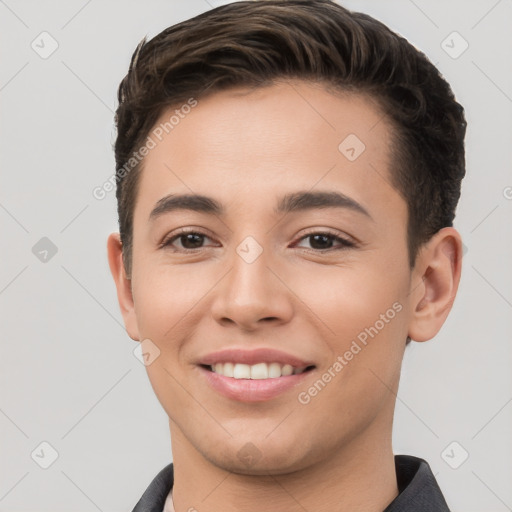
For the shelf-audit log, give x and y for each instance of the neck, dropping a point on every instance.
(359, 477)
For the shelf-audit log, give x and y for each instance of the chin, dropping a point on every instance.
(259, 457)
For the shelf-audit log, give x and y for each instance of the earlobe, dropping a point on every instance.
(435, 283)
(123, 285)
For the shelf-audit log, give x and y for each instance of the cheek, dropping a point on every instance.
(166, 298)
(348, 301)
(361, 316)
(366, 339)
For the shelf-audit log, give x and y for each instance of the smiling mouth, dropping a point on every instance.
(259, 371)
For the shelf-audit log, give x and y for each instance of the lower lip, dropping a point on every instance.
(252, 390)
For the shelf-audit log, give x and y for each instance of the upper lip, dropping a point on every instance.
(254, 356)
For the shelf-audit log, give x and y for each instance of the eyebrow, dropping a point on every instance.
(292, 202)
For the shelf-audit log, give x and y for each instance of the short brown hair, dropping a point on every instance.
(255, 43)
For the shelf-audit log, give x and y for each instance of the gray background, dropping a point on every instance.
(68, 375)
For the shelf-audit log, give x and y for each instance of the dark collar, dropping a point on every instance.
(417, 486)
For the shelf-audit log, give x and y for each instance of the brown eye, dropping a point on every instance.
(186, 241)
(191, 240)
(326, 241)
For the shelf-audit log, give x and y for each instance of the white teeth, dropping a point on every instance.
(274, 370)
(259, 371)
(287, 369)
(256, 371)
(241, 371)
(227, 371)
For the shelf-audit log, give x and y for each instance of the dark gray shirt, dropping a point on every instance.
(417, 487)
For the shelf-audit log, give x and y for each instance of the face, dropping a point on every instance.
(293, 260)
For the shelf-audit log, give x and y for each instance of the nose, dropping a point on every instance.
(252, 295)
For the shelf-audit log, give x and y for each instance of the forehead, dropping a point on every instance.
(248, 143)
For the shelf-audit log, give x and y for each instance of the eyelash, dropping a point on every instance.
(345, 243)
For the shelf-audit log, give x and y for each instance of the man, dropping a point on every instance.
(287, 179)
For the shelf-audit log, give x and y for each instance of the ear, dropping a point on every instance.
(434, 283)
(123, 285)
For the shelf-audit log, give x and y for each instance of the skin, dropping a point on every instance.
(246, 149)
